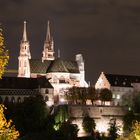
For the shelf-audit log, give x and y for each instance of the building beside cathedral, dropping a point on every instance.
(16, 89)
(62, 74)
(123, 87)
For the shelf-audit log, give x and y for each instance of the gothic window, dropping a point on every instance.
(46, 98)
(19, 100)
(46, 91)
(13, 99)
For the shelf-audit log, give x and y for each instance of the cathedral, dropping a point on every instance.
(62, 74)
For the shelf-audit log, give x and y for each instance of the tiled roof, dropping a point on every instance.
(57, 65)
(24, 83)
(122, 80)
(37, 66)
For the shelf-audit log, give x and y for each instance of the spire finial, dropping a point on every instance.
(48, 36)
(24, 32)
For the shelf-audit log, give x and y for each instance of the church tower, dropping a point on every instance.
(81, 65)
(48, 52)
(24, 55)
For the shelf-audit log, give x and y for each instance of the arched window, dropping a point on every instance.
(46, 91)
(46, 98)
(13, 99)
(19, 100)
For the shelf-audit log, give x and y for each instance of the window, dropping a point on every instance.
(46, 91)
(13, 100)
(46, 98)
(113, 96)
(19, 100)
(62, 79)
(118, 96)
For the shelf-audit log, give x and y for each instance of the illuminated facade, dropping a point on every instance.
(63, 74)
(123, 87)
(13, 90)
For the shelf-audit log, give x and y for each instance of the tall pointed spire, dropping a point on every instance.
(24, 32)
(24, 55)
(48, 35)
(48, 52)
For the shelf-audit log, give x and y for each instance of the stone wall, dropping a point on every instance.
(101, 115)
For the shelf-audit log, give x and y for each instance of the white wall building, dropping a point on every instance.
(123, 87)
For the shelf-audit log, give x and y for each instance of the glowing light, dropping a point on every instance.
(49, 103)
(62, 100)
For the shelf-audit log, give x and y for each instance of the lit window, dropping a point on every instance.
(118, 96)
(113, 96)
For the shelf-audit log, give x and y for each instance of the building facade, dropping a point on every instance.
(123, 87)
(63, 74)
(16, 89)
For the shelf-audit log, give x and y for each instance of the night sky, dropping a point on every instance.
(106, 32)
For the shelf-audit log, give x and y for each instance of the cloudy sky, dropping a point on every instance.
(106, 32)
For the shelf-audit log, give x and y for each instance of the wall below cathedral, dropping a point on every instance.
(101, 115)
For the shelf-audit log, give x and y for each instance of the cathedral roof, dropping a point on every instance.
(37, 66)
(24, 83)
(57, 65)
(122, 80)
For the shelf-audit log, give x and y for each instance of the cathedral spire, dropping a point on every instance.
(24, 32)
(48, 35)
(24, 55)
(48, 52)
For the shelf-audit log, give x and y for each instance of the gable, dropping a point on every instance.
(102, 82)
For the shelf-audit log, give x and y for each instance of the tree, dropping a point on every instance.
(105, 95)
(7, 130)
(4, 57)
(82, 94)
(128, 121)
(113, 130)
(72, 95)
(134, 135)
(69, 130)
(137, 103)
(61, 116)
(31, 115)
(92, 94)
(76, 95)
(88, 124)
